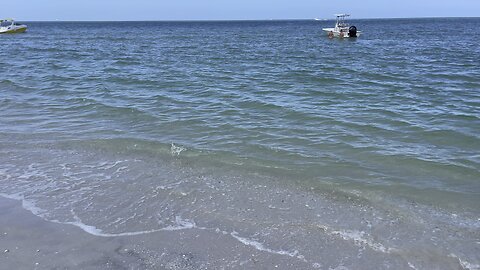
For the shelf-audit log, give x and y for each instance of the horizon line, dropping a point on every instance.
(242, 20)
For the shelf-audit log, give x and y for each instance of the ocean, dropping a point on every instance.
(312, 153)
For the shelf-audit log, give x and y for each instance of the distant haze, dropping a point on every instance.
(114, 10)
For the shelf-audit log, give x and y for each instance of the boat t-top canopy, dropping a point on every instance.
(341, 20)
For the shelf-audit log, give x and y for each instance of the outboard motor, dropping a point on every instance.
(352, 31)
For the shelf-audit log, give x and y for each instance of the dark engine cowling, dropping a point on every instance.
(352, 31)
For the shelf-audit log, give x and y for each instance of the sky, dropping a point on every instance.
(127, 10)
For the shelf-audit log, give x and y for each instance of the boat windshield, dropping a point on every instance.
(5, 23)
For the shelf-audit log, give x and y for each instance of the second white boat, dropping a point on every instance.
(342, 29)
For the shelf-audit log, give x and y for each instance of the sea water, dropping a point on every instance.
(357, 153)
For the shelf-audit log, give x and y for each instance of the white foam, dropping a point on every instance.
(361, 240)
(97, 232)
(169, 186)
(180, 223)
(259, 246)
(120, 169)
(105, 165)
(27, 205)
(412, 266)
(279, 208)
(17, 196)
(339, 267)
(465, 265)
(176, 150)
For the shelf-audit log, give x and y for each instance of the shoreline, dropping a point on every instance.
(189, 217)
(30, 242)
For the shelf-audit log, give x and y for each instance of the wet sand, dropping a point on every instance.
(29, 242)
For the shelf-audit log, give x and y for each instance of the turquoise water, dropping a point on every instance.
(95, 110)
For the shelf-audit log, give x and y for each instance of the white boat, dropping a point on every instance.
(9, 26)
(342, 29)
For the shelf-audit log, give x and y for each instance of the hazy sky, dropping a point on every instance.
(232, 9)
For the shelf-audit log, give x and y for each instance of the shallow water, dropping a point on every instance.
(267, 132)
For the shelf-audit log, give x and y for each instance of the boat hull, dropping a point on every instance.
(16, 30)
(332, 33)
